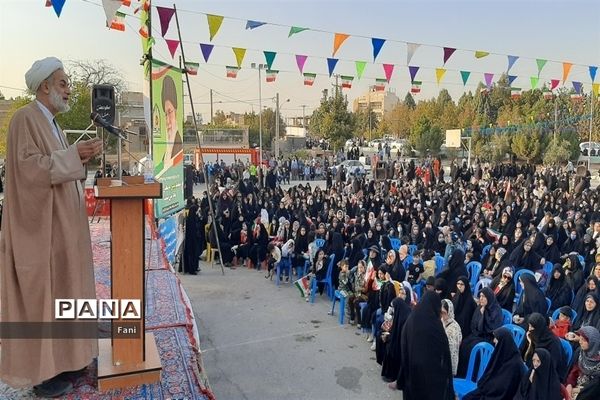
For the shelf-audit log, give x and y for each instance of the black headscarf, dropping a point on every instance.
(464, 306)
(578, 303)
(503, 373)
(559, 291)
(542, 337)
(546, 383)
(391, 361)
(456, 268)
(589, 318)
(426, 366)
(532, 299)
(483, 325)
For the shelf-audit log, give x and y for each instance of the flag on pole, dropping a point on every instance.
(191, 68)
(118, 22)
(309, 78)
(494, 235)
(515, 92)
(232, 71)
(380, 84)
(416, 87)
(347, 81)
(271, 75)
(303, 285)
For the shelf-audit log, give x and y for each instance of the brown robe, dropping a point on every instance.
(45, 248)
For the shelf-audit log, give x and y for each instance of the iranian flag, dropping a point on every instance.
(416, 87)
(191, 68)
(515, 92)
(118, 22)
(232, 71)
(380, 84)
(347, 81)
(494, 235)
(303, 284)
(144, 32)
(309, 78)
(548, 95)
(126, 3)
(271, 75)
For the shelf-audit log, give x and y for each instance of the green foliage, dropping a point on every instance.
(557, 152)
(526, 144)
(332, 121)
(425, 137)
(365, 121)
(219, 120)
(269, 127)
(497, 147)
(18, 103)
(409, 101)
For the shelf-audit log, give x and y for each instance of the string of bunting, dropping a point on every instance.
(514, 128)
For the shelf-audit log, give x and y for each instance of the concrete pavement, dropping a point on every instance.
(261, 342)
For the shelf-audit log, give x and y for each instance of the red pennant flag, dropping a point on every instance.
(448, 51)
(554, 83)
(388, 69)
(172, 45)
(164, 15)
(48, 3)
(126, 3)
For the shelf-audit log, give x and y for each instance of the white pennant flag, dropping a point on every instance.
(410, 51)
(110, 9)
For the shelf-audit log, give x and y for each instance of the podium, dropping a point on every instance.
(130, 357)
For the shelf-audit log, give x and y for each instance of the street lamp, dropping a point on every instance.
(260, 152)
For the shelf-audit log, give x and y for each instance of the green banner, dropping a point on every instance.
(167, 135)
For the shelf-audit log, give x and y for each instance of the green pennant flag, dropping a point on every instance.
(534, 81)
(540, 64)
(296, 29)
(360, 68)
(465, 76)
(270, 57)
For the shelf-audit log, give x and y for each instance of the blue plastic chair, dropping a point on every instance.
(337, 295)
(506, 317)
(284, 264)
(396, 243)
(581, 261)
(483, 282)
(327, 281)
(439, 264)
(567, 349)
(302, 270)
(366, 253)
(474, 269)
(485, 251)
(557, 311)
(320, 243)
(518, 288)
(549, 302)
(484, 352)
(412, 248)
(518, 333)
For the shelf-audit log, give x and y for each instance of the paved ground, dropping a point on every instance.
(262, 342)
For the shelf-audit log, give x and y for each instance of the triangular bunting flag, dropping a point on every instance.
(331, 63)
(554, 83)
(309, 78)
(515, 93)
(511, 79)
(411, 48)
(206, 50)
(239, 55)
(300, 60)
(118, 22)
(412, 70)
(540, 64)
(126, 3)
(232, 71)
(296, 29)
(577, 86)
(360, 68)
(595, 88)
(488, 79)
(214, 23)
(48, 3)
(593, 71)
(172, 45)
(269, 58)
(416, 87)
(377, 45)
(465, 76)
(164, 16)
(566, 69)
(58, 6)
(511, 61)
(534, 81)
(347, 81)
(380, 84)
(481, 54)
(338, 39)
(448, 51)
(110, 9)
(439, 74)
(191, 68)
(388, 69)
(271, 75)
(254, 24)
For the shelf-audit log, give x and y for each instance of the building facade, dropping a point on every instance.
(379, 102)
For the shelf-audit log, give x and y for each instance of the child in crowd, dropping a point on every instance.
(562, 326)
(415, 269)
(273, 257)
(358, 294)
(344, 284)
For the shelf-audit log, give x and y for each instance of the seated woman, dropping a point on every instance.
(538, 336)
(464, 305)
(452, 331)
(391, 359)
(532, 300)
(504, 289)
(542, 381)
(486, 318)
(559, 291)
(584, 378)
(503, 374)
(590, 286)
(498, 264)
(590, 316)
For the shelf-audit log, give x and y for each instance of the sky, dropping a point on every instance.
(555, 30)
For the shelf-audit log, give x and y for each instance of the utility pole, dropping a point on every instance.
(555, 118)
(211, 107)
(591, 124)
(276, 126)
(303, 117)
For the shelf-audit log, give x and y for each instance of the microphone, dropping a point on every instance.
(99, 121)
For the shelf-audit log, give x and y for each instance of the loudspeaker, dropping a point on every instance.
(188, 181)
(103, 102)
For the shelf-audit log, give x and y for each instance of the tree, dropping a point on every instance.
(1, 95)
(365, 121)
(557, 152)
(18, 103)
(219, 120)
(268, 127)
(409, 101)
(97, 72)
(332, 120)
(497, 147)
(398, 120)
(526, 145)
(425, 137)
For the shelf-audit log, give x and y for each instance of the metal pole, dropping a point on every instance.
(277, 126)
(210, 203)
(555, 117)
(260, 150)
(591, 122)
(211, 107)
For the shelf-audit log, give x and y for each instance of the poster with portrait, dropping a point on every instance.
(167, 136)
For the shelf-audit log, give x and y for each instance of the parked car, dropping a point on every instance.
(592, 148)
(353, 167)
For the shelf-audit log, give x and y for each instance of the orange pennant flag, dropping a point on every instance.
(338, 40)
(566, 69)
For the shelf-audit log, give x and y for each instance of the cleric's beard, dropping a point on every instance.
(57, 102)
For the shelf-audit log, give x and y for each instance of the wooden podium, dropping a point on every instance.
(129, 357)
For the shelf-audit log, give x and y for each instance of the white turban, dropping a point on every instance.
(40, 71)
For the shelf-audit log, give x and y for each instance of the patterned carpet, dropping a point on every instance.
(168, 316)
